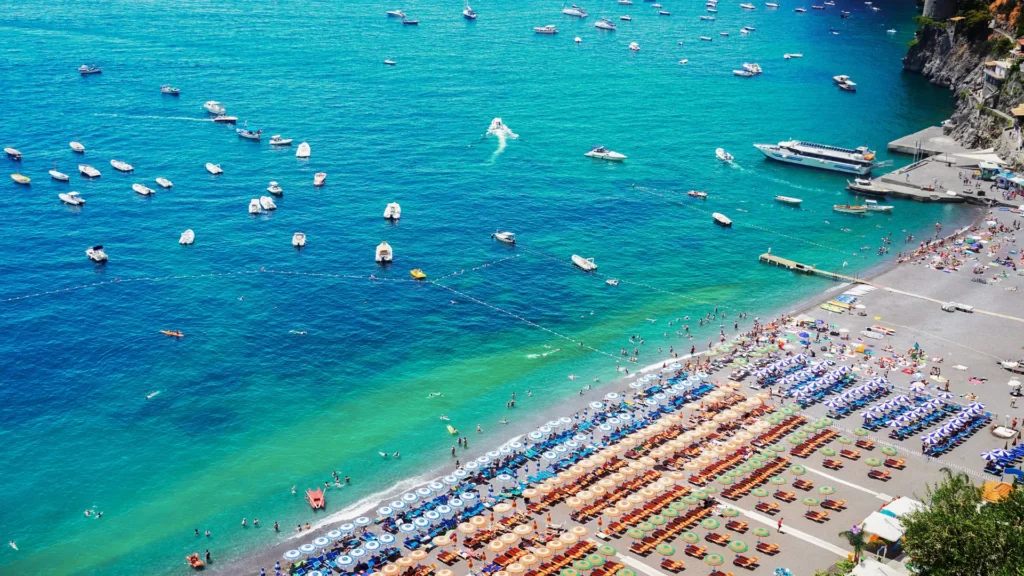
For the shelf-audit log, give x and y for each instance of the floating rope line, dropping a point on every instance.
(341, 276)
(127, 281)
(464, 271)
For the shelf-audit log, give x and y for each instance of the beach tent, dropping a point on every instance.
(901, 506)
(883, 526)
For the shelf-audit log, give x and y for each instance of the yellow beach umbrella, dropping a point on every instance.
(417, 555)
(390, 570)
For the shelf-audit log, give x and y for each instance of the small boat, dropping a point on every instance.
(709, 18)
(505, 237)
(848, 86)
(21, 179)
(575, 11)
(744, 31)
(656, 5)
(874, 206)
(626, 18)
(389, 62)
(395, 14)
(169, 90)
(73, 198)
(817, 7)
(848, 209)
(748, 6)
(752, 67)
(315, 498)
(722, 220)
(712, 10)
(829, 3)
(187, 237)
(142, 189)
(59, 176)
(706, 38)
(743, 73)
(771, 5)
(788, 200)
(865, 187)
(77, 147)
(549, 29)
(298, 239)
(96, 254)
(585, 264)
(215, 108)
(634, 46)
(722, 155)
(122, 166)
(800, 10)
(612, 282)
(88, 171)
(194, 561)
(604, 24)
(577, 40)
(214, 169)
(225, 119)
(85, 70)
(267, 203)
(392, 211)
(844, 14)
(723, 33)
(302, 151)
(697, 194)
(164, 183)
(173, 333)
(319, 178)
(12, 153)
(383, 255)
(841, 79)
(418, 274)
(793, 55)
(626, 2)
(749, 28)
(890, 31)
(664, 13)
(602, 153)
(468, 13)
(410, 22)
(254, 206)
(684, 61)
(244, 132)
(276, 140)
(274, 188)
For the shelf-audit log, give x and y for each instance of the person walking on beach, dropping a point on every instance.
(780, 525)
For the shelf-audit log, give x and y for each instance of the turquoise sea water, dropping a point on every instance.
(246, 408)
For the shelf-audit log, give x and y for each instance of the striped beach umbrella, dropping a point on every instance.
(844, 440)
(646, 526)
(582, 565)
(888, 450)
(777, 480)
(689, 537)
(809, 501)
(606, 550)
(635, 533)
(714, 560)
(665, 549)
(826, 490)
(873, 462)
(797, 470)
(738, 546)
(730, 512)
(711, 490)
(860, 432)
(759, 492)
(709, 523)
(762, 532)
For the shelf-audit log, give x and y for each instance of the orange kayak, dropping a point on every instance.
(174, 333)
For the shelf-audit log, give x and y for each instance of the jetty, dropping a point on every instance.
(793, 265)
(928, 142)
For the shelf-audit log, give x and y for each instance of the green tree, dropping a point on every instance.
(857, 542)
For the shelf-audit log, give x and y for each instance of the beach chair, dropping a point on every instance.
(698, 552)
(749, 562)
(832, 464)
(716, 538)
(814, 515)
(897, 463)
(720, 573)
(803, 484)
(674, 566)
(835, 505)
(850, 454)
(737, 526)
(785, 496)
(767, 507)
(882, 475)
(766, 548)
(866, 444)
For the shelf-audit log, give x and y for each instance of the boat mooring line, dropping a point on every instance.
(128, 280)
(464, 271)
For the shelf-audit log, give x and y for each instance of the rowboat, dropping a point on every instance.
(788, 200)
(848, 209)
(722, 220)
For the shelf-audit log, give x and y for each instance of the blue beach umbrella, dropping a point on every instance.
(612, 396)
(565, 420)
(347, 528)
(321, 542)
(432, 515)
(536, 435)
(450, 480)
(651, 402)
(371, 546)
(386, 538)
(345, 560)
(494, 454)
(469, 497)
(581, 438)
(661, 397)
(436, 486)
(385, 511)
(472, 466)
(545, 429)
(423, 492)
(397, 505)
(483, 460)
(407, 527)
(614, 421)
(605, 427)
(357, 553)
(361, 521)
(456, 503)
(549, 455)
(420, 522)
(307, 548)
(409, 498)
(315, 573)
(596, 405)
(504, 478)
(515, 445)
(292, 555)
(561, 449)
(625, 417)
(334, 534)
(444, 509)
(637, 385)
(504, 450)
(460, 474)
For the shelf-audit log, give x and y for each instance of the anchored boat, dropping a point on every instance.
(722, 220)
(788, 200)
(585, 264)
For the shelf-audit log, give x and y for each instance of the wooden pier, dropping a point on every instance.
(793, 265)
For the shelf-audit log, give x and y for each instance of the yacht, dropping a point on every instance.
(468, 13)
(585, 264)
(504, 237)
(743, 73)
(634, 46)
(249, 134)
(274, 188)
(602, 153)
(865, 187)
(73, 198)
(549, 29)
(707, 17)
(254, 206)
(841, 79)
(858, 161)
(319, 178)
(214, 169)
(788, 200)
(164, 183)
(267, 203)
(298, 239)
(604, 24)
(753, 67)
(302, 151)
(88, 171)
(142, 189)
(722, 220)
(744, 31)
(697, 194)
(395, 14)
(722, 155)
(848, 209)
(575, 10)
(390, 62)
(12, 153)
(392, 211)
(215, 108)
(276, 140)
(789, 55)
(874, 206)
(626, 18)
(800, 10)
(96, 254)
(169, 90)
(383, 254)
(21, 179)
(706, 38)
(187, 237)
(748, 6)
(122, 166)
(225, 119)
(85, 70)
(59, 176)
(77, 147)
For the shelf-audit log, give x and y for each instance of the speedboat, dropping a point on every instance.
(390, 62)
(274, 188)
(575, 10)
(742, 73)
(612, 281)
(215, 108)
(21, 179)
(383, 253)
(634, 46)
(298, 239)
(59, 176)
(170, 90)
(225, 119)
(604, 24)
(844, 14)
(706, 38)
(865, 187)
(788, 200)
(848, 209)
(395, 14)
(749, 28)
(697, 194)
(577, 40)
(626, 18)
(723, 33)
(602, 153)
(549, 29)
(410, 22)
(319, 178)
(254, 206)
(164, 182)
(73, 198)
(841, 79)
(664, 13)
(771, 5)
(752, 67)
(122, 166)
(77, 147)
(468, 13)
(722, 220)
(712, 10)
(418, 274)
(85, 70)
(890, 31)
(848, 86)
(276, 140)
(793, 55)
(187, 237)
(722, 155)
(392, 211)
(748, 6)
(267, 203)
(656, 5)
(585, 264)
(88, 171)
(707, 17)
(142, 189)
(744, 31)
(801, 10)
(302, 151)
(874, 206)
(817, 7)
(626, 2)
(213, 168)
(249, 134)
(684, 61)
(12, 153)
(96, 254)
(504, 237)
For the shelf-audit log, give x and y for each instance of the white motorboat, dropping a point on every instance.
(12, 153)
(771, 5)
(722, 220)
(626, 18)
(712, 10)
(575, 11)
(395, 14)
(302, 151)
(788, 200)
(276, 140)
(626, 2)
(602, 153)
(85, 70)
(664, 13)
(840, 79)
(59, 176)
(743, 73)
(656, 5)
(706, 38)
(88, 171)
(752, 67)
(708, 18)
(96, 254)
(848, 209)
(122, 166)
(392, 211)
(697, 194)
(383, 254)
(214, 168)
(800, 10)
(723, 33)
(319, 178)
(298, 239)
(749, 28)
(215, 108)
(549, 29)
(634, 46)
(744, 31)
(604, 24)
(169, 90)
(859, 161)
(722, 155)
(73, 198)
(504, 237)
(254, 206)
(684, 61)
(274, 188)
(267, 203)
(468, 13)
(164, 182)
(890, 31)
(865, 187)
(187, 237)
(390, 62)
(795, 55)
(225, 119)
(77, 147)
(612, 281)
(21, 179)
(247, 134)
(585, 264)
(748, 6)
(874, 206)
(578, 40)
(142, 189)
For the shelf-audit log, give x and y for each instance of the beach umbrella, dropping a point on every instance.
(582, 565)
(724, 479)
(635, 533)
(390, 570)
(307, 548)
(689, 499)
(361, 521)
(569, 572)
(347, 528)
(777, 480)
(711, 490)
(529, 559)
(344, 560)
(860, 432)
(516, 568)
(730, 512)
(826, 451)
(386, 539)
(357, 552)
(826, 490)
(797, 470)
(407, 527)
(709, 523)
(669, 513)
(292, 555)
(385, 511)
(714, 560)
(658, 520)
(808, 501)
(467, 528)
(778, 447)
(595, 560)
(606, 550)
(738, 546)
(844, 440)
(646, 526)
(735, 473)
(372, 546)
(873, 462)
(761, 532)
(665, 549)
(689, 537)
(888, 450)
(410, 497)
(334, 534)
(420, 522)
(759, 492)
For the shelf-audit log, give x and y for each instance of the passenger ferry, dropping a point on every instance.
(858, 161)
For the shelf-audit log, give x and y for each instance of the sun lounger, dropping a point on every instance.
(716, 538)
(767, 507)
(836, 505)
(698, 552)
(737, 526)
(816, 516)
(720, 573)
(766, 548)
(866, 444)
(897, 463)
(674, 566)
(448, 557)
(803, 484)
(879, 474)
(745, 561)
(785, 496)
(832, 464)
(851, 454)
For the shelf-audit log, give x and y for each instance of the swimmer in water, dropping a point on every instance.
(293, 489)
(396, 455)
(503, 421)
